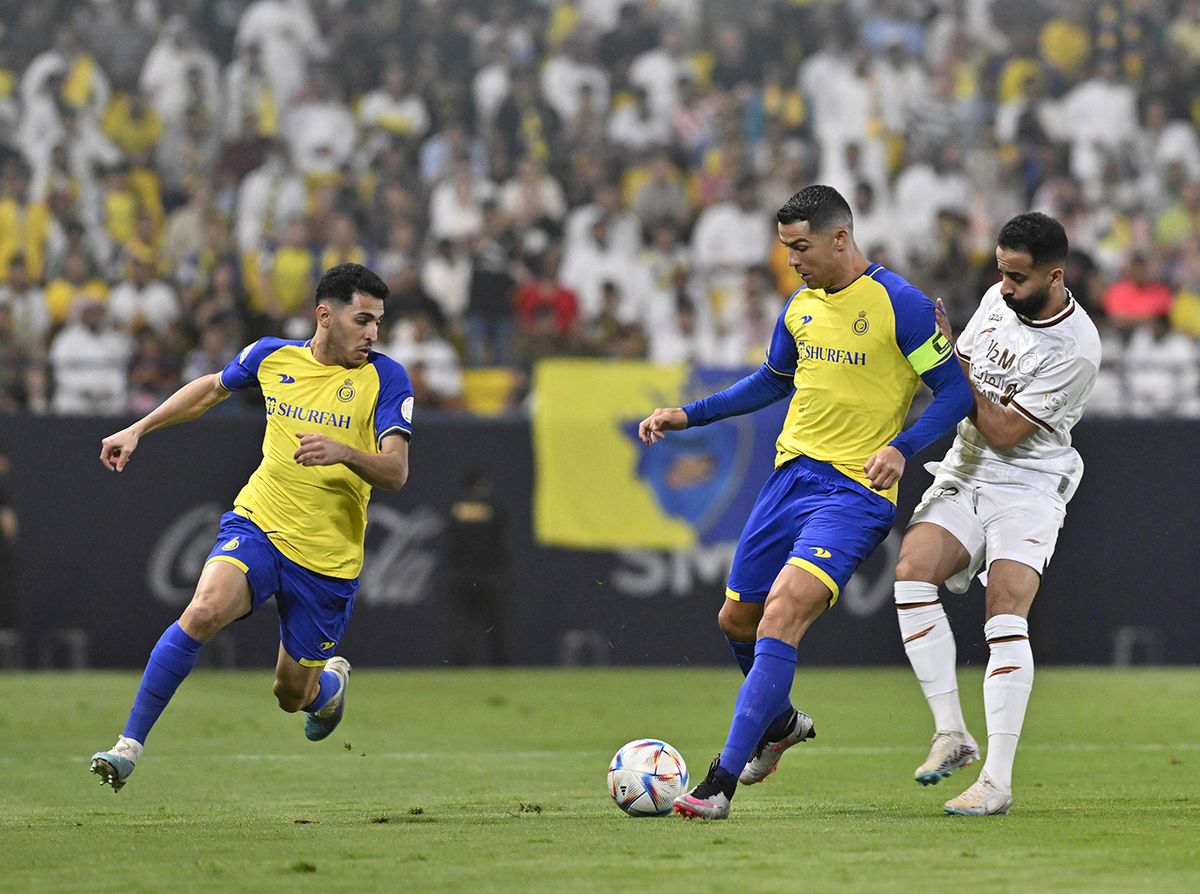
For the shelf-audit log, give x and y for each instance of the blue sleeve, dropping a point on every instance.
(242, 371)
(394, 407)
(781, 355)
(757, 390)
(931, 356)
(952, 400)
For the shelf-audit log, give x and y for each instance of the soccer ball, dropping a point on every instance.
(646, 776)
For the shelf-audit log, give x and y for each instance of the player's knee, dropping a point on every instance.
(737, 623)
(290, 699)
(202, 619)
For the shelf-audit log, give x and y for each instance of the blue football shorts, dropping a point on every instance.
(313, 608)
(810, 515)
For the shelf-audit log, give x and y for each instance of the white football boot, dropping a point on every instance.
(948, 752)
(984, 798)
(765, 759)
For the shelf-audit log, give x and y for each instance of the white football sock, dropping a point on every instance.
(929, 644)
(1006, 691)
(130, 748)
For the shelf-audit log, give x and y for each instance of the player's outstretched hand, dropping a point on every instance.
(943, 321)
(319, 450)
(115, 450)
(885, 468)
(664, 419)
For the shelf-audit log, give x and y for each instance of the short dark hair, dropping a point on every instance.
(341, 282)
(1038, 235)
(822, 206)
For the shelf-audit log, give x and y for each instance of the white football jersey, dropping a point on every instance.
(1043, 369)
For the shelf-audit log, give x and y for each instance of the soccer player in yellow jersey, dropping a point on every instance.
(850, 349)
(339, 418)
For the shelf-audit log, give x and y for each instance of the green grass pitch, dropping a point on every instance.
(486, 781)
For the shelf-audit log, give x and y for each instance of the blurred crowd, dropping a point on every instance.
(537, 178)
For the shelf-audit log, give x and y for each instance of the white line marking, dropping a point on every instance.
(916, 749)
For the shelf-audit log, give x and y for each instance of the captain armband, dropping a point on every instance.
(930, 354)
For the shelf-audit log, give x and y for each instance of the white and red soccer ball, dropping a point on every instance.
(646, 776)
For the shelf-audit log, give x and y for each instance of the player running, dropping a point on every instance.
(339, 418)
(999, 497)
(849, 348)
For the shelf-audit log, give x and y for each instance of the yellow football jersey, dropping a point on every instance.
(855, 357)
(317, 515)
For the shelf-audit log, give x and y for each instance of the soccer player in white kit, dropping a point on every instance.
(998, 499)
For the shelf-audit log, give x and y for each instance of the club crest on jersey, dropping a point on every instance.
(346, 393)
(1027, 363)
(860, 326)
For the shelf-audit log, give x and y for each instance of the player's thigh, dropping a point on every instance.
(843, 528)
(945, 518)
(1021, 526)
(797, 598)
(767, 537)
(930, 553)
(314, 611)
(222, 596)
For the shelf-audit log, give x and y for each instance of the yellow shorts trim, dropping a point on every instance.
(313, 662)
(820, 574)
(231, 560)
(730, 594)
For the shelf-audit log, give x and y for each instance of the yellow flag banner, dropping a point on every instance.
(598, 487)
(587, 492)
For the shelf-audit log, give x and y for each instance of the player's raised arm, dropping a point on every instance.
(190, 401)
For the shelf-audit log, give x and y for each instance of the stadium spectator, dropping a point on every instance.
(141, 300)
(430, 359)
(112, 135)
(89, 362)
(1140, 296)
(26, 303)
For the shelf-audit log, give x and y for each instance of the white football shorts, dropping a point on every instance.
(993, 521)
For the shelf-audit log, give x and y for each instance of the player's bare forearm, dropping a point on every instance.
(1002, 427)
(190, 401)
(387, 469)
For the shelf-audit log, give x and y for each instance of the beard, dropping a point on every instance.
(1028, 307)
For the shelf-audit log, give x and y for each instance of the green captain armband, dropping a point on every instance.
(931, 353)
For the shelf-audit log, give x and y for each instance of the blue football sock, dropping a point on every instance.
(171, 659)
(763, 696)
(329, 688)
(743, 653)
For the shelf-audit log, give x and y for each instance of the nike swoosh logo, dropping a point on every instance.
(821, 553)
(285, 379)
